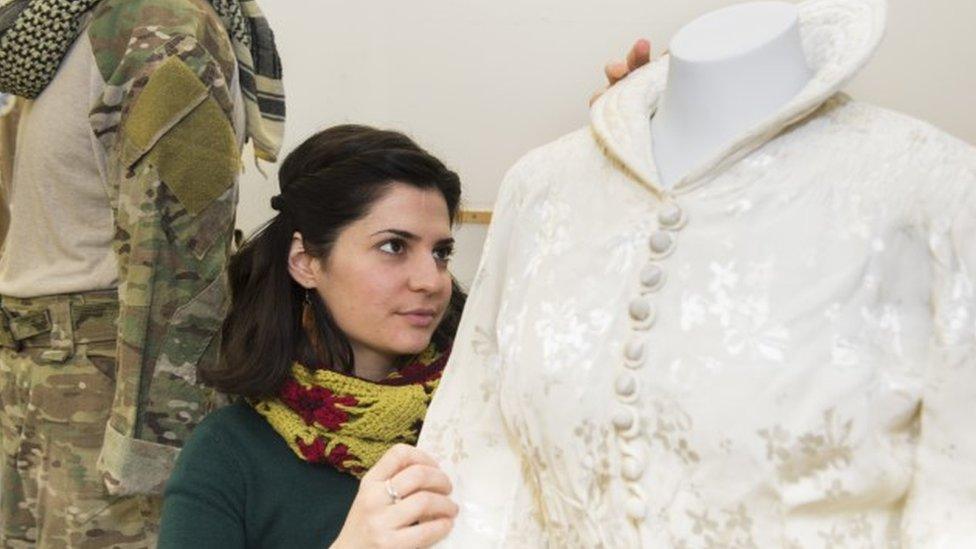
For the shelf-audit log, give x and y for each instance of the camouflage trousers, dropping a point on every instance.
(57, 368)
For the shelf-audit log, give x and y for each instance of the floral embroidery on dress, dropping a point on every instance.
(729, 529)
(670, 426)
(812, 452)
(741, 306)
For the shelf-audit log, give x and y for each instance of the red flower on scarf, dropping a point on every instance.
(317, 404)
(340, 455)
(314, 452)
(419, 371)
(337, 457)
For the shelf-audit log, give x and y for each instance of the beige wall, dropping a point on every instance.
(481, 82)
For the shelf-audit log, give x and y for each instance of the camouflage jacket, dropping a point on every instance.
(165, 119)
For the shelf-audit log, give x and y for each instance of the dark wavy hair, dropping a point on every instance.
(328, 182)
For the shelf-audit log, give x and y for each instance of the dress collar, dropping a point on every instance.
(839, 37)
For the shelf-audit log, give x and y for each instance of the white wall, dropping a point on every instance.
(478, 83)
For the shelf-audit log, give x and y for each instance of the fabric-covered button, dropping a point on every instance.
(642, 313)
(632, 469)
(634, 350)
(640, 309)
(661, 242)
(651, 276)
(670, 216)
(623, 419)
(625, 385)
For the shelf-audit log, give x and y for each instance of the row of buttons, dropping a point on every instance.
(626, 420)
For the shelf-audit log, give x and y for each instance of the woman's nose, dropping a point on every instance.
(426, 275)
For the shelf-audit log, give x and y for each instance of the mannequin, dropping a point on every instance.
(729, 70)
(772, 347)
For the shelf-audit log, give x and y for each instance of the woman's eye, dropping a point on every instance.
(392, 247)
(443, 254)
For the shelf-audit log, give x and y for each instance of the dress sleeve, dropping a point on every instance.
(204, 501)
(941, 507)
(465, 430)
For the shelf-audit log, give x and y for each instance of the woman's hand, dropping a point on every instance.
(640, 55)
(402, 502)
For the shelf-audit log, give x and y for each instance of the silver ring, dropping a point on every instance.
(391, 491)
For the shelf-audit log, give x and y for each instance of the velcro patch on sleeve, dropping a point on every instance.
(185, 134)
(198, 158)
(173, 90)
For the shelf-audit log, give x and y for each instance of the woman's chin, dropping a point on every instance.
(413, 346)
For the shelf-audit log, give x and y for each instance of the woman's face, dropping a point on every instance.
(386, 281)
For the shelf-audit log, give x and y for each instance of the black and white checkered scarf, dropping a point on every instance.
(35, 35)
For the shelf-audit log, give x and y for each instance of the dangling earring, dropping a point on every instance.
(308, 315)
(311, 327)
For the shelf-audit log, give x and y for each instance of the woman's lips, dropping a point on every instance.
(420, 318)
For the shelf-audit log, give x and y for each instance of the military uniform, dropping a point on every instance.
(99, 389)
(57, 368)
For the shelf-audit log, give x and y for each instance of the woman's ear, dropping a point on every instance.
(302, 267)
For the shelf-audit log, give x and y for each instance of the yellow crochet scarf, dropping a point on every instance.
(349, 422)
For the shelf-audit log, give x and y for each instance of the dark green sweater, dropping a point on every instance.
(237, 484)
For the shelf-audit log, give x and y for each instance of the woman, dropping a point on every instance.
(341, 320)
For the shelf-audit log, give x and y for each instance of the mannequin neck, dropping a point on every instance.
(729, 70)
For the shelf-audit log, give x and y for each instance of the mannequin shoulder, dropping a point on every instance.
(559, 162)
(578, 145)
(885, 130)
(917, 163)
(884, 142)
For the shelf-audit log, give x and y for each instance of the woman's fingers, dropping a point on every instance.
(640, 55)
(417, 478)
(424, 534)
(403, 500)
(397, 458)
(422, 507)
(615, 71)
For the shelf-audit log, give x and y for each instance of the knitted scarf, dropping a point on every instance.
(348, 422)
(35, 35)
